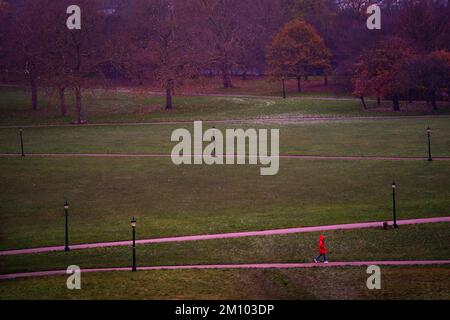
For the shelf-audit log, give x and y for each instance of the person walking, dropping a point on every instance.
(322, 250)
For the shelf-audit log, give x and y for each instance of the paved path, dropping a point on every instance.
(274, 119)
(234, 235)
(237, 266)
(166, 155)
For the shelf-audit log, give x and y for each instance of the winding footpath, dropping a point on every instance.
(232, 266)
(166, 155)
(235, 266)
(234, 235)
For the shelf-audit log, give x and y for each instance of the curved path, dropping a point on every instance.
(162, 155)
(236, 266)
(364, 225)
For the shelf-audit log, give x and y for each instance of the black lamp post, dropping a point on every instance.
(430, 158)
(214, 140)
(66, 214)
(21, 142)
(394, 208)
(133, 227)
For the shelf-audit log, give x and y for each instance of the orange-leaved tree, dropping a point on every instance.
(376, 70)
(297, 50)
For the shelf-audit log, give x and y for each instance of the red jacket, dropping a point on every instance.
(322, 248)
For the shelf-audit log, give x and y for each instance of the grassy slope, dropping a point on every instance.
(339, 283)
(305, 193)
(412, 242)
(421, 242)
(171, 200)
(111, 106)
(394, 137)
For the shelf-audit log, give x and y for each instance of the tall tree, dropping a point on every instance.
(221, 20)
(296, 51)
(161, 45)
(425, 22)
(376, 70)
(4, 25)
(426, 74)
(24, 45)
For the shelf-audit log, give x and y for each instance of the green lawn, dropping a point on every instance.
(336, 283)
(420, 242)
(170, 200)
(393, 137)
(116, 106)
(104, 193)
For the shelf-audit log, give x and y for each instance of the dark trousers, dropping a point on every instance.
(322, 255)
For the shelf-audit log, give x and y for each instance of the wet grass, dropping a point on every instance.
(333, 283)
(104, 106)
(170, 200)
(393, 137)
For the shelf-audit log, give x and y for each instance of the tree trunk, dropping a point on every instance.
(306, 77)
(325, 81)
(34, 94)
(169, 88)
(433, 100)
(62, 102)
(79, 106)
(396, 102)
(226, 78)
(378, 100)
(244, 75)
(299, 84)
(284, 88)
(363, 102)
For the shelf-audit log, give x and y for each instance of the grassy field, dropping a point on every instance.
(104, 193)
(420, 242)
(115, 106)
(170, 200)
(392, 137)
(339, 283)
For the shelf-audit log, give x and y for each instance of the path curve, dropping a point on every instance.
(234, 235)
(236, 266)
(166, 155)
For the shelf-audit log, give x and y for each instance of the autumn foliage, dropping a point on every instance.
(296, 51)
(377, 69)
(165, 42)
(394, 69)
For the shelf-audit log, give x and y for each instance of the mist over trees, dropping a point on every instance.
(169, 41)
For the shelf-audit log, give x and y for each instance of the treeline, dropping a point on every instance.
(171, 40)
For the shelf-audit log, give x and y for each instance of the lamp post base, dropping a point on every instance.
(66, 249)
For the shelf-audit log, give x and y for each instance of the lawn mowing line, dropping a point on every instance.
(234, 235)
(286, 118)
(161, 155)
(235, 266)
